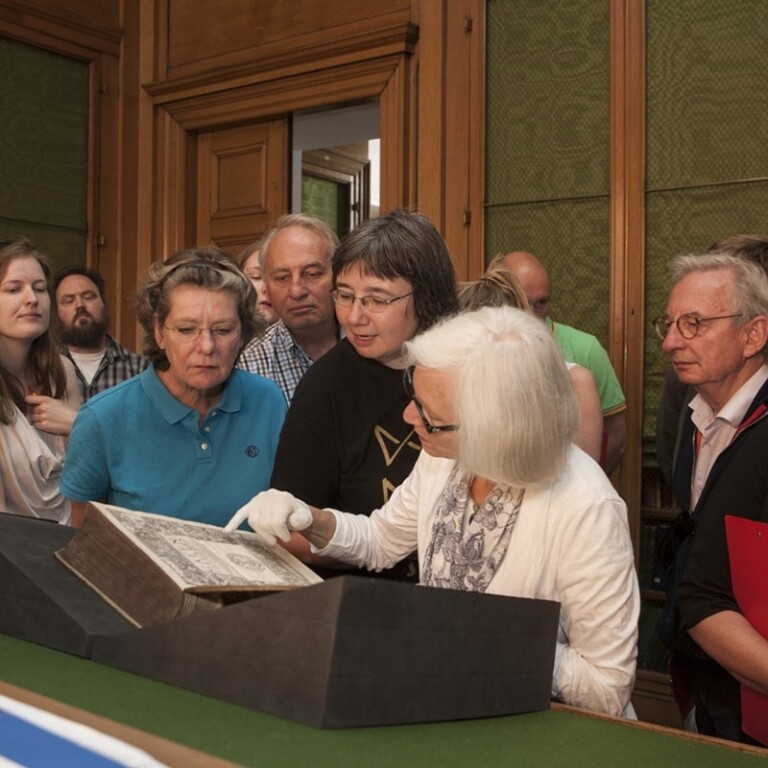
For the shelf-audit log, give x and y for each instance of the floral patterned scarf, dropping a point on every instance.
(466, 549)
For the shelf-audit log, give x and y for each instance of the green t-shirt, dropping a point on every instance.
(585, 350)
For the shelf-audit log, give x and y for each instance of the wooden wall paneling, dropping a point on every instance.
(104, 169)
(136, 150)
(627, 218)
(462, 28)
(398, 170)
(360, 81)
(475, 107)
(207, 183)
(431, 120)
(278, 167)
(241, 186)
(171, 168)
(273, 40)
(359, 60)
(159, 69)
(450, 126)
(64, 25)
(178, 123)
(134, 180)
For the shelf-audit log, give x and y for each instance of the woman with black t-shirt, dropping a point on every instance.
(344, 443)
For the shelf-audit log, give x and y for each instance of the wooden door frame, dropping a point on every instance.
(627, 243)
(386, 78)
(432, 145)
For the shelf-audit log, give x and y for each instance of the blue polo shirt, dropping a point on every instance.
(136, 446)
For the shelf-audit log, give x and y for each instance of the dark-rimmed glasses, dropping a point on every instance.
(431, 428)
(687, 325)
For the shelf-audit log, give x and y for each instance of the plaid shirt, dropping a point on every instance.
(117, 364)
(276, 356)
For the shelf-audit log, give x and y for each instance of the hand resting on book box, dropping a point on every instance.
(273, 515)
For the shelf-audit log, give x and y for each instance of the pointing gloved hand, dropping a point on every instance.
(273, 515)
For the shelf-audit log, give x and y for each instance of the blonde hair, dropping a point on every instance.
(496, 288)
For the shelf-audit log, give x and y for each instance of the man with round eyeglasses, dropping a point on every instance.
(715, 332)
(687, 325)
(676, 395)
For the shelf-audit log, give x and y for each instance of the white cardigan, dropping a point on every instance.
(571, 543)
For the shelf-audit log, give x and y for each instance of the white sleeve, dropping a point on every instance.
(383, 539)
(600, 606)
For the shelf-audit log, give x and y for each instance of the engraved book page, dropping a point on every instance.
(200, 557)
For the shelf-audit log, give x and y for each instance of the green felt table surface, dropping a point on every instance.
(550, 738)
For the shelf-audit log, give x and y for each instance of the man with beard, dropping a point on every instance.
(100, 362)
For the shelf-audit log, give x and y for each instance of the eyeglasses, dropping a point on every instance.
(189, 333)
(431, 429)
(687, 325)
(371, 303)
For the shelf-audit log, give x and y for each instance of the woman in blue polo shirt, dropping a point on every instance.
(191, 437)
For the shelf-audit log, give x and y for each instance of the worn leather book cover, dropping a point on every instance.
(153, 568)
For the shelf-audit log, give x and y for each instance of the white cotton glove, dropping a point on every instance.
(273, 515)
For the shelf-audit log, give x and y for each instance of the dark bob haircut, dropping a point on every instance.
(407, 245)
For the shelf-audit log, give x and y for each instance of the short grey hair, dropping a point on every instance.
(303, 220)
(750, 283)
(206, 267)
(514, 400)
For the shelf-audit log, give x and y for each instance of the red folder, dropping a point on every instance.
(748, 555)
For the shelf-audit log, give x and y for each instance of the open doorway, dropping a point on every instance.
(335, 165)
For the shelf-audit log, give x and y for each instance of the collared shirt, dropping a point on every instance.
(139, 447)
(718, 430)
(276, 355)
(117, 364)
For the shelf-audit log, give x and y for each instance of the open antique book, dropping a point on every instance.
(154, 569)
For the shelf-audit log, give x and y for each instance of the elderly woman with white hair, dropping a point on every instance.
(500, 500)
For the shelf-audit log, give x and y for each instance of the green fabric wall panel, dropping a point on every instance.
(707, 100)
(44, 148)
(326, 200)
(547, 145)
(571, 238)
(547, 99)
(707, 165)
